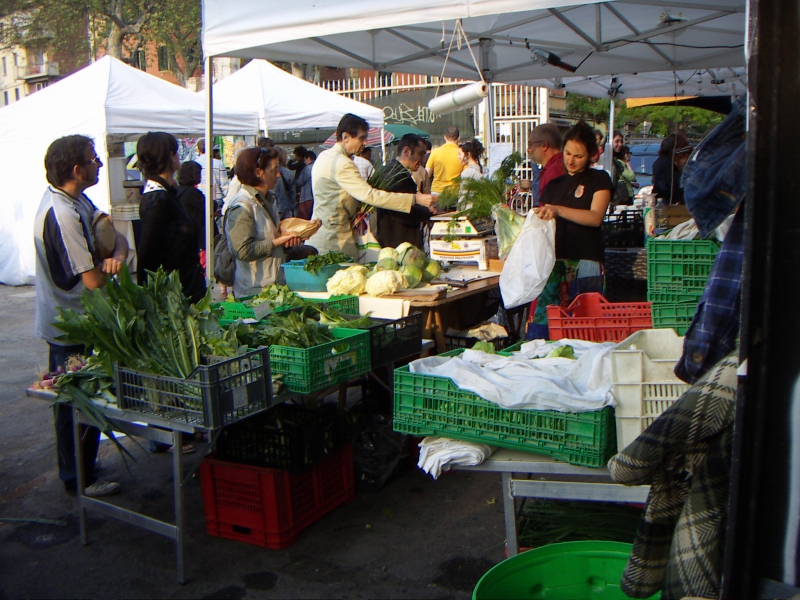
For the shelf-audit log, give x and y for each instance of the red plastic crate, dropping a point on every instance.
(270, 507)
(592, 318)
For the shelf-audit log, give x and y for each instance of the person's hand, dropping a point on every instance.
(433, 209)
(425, 200)
(546, 211)
(288, 240)
(111, 266)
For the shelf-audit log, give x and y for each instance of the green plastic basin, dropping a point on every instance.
(568, 571)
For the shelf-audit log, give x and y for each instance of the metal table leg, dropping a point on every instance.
(81, 473)
(177, 482)
(510, 514)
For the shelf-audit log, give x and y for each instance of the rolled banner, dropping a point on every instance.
(460, 99)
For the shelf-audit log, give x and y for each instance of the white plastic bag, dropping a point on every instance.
(530, 262)
(367, 244)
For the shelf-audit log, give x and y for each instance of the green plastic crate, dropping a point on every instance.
(683, 297)
(307, 370)
(347, 305)
(679, 267)
(674, 316)
(431, 405)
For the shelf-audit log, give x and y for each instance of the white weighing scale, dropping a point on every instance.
(472, 241)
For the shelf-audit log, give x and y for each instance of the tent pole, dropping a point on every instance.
(608, 155)
(383, 145)
(209, 191)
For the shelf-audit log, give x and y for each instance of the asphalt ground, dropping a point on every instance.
(414, 538)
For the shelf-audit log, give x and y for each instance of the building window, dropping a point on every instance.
(5, 98)
(5, 67)
(41, 86)
(163, 58)
(16, 93)
(139, 59)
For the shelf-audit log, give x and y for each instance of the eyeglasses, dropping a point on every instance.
(95, 161)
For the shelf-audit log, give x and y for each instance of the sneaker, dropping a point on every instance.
(101, 488)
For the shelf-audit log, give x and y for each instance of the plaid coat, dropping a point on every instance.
(685, 456)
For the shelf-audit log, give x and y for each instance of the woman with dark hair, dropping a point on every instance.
(578, 201)
(194, 202)
(624, 177)
(672, 156)
(169, 236)
(470, 154)
(251, 223)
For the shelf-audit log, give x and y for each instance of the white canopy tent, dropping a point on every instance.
(284, 101)
(513, 40)
(106, 98)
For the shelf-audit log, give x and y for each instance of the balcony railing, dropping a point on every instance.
(48, 69)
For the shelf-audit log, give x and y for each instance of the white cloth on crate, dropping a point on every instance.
(437, 454)
(523, 381)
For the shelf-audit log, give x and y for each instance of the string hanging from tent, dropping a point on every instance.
(465, 97)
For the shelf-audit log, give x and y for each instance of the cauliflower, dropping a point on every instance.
(386, 282)
(348, 281)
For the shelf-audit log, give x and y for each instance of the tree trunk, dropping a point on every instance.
(114, 42)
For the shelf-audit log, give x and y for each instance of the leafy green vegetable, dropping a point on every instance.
(487, 347)
(316, 262)
(276, 295)
(562, 352)
(474, 198)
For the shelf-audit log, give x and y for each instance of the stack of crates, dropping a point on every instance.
(677, 273)
(275, 474)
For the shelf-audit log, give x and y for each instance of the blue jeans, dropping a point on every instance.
(65, 440)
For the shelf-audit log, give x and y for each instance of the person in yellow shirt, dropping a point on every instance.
(338, 189)
(444, 165)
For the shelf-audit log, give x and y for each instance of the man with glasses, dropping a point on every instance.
(338, 189)
(69, 260)
(544, 148)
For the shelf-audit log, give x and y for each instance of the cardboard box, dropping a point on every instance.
(495, 264)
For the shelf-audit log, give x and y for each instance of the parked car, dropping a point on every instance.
(642, 158)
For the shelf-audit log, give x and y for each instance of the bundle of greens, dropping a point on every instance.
(316, 262)
(152, 328)
(304, 327)
(276, 295)
(545, 522)
(475, 198)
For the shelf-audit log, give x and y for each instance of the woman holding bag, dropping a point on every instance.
(578, 201)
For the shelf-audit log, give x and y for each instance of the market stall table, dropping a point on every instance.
(146, 427)
(437, 315)
(550, 479)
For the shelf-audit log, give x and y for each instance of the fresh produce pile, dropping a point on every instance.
(304, 327)
(316, 262)
(276, 296)
(545, 522)
(401, 268)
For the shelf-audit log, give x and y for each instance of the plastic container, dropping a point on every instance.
(307, 370)
(394, 339)
(270, 507)
(346, 305)
(300, 280)
(679, 267)
(623, 230)
(645, 384)
(216, 394)
(567, 571)
(431, 405)
(287, 436)
(674, 316)
(592, 318)
(455, 342)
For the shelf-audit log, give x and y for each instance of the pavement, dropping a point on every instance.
(414, 538)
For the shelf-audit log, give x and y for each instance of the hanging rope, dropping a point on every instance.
(458, 34)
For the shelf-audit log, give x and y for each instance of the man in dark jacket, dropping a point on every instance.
(393, 227)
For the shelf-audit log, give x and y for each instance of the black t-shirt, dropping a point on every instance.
(573, 241)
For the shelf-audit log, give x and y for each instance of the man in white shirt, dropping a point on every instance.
(219, 175)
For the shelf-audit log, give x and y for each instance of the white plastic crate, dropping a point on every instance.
(644, 382)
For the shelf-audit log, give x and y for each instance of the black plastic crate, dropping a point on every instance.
(452, 342)
(393, 339)
(626, 263)
(218, 393)
(288, 436)
(623, 230)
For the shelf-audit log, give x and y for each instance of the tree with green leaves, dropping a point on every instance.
(175, 25)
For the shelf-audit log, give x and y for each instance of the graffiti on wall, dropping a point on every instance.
(405, 115)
